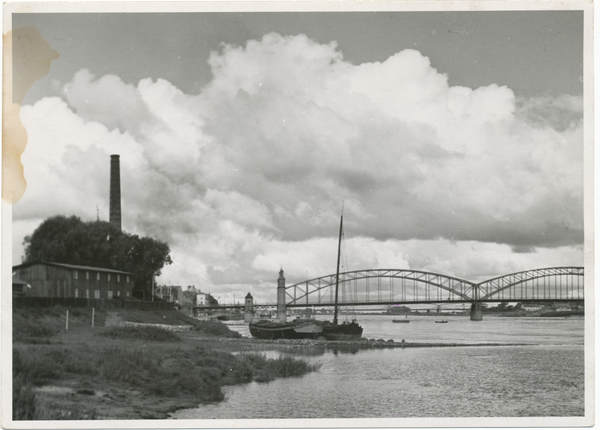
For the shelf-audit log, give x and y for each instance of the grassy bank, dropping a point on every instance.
(113, 372)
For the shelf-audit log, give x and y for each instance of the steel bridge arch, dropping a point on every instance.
(496, 285)
(460, 287)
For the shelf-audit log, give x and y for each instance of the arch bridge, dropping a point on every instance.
(402, 286)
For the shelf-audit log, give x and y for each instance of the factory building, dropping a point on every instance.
(68, 280)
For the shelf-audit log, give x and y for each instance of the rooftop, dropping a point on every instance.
(72, 266)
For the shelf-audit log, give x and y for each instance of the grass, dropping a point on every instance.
(142, 369)
(155, 334)
(268, 369)
(24, 402)
(198, 373)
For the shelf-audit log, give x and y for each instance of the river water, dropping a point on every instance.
(544, 378)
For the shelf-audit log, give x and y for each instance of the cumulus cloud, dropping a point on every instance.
(249, 175)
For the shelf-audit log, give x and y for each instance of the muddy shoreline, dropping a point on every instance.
(356, 344)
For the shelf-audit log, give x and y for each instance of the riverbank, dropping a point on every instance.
(354, 345)
(118, 371)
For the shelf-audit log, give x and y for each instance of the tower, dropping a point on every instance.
(248, 308)
(115, 192)
(281, 308)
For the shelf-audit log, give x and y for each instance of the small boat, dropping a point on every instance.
(441, 322)
(401, 321)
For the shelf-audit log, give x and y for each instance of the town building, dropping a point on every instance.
(67, 280)
(202, 299)
(170, 293)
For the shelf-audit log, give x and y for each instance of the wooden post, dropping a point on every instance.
(67, 323)
(93, 309)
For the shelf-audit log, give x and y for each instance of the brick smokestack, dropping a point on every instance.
(115, 192)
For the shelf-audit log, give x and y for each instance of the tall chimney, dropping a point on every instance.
(115, 192)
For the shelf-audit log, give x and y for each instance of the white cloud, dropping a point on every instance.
(250, 174)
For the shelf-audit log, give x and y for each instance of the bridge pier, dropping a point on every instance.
(476, 313)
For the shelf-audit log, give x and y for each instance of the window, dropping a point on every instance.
(97, 294)
(127, 293)
(76, 293)
(87, 275)
(75, 274)
(127, 278)
(109, 276)
(109, 294)
(87, 293)
(98, 276)
(118, 278)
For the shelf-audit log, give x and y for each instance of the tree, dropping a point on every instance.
(69, 240)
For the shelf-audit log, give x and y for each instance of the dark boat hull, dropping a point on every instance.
(345, 331)
(277, 330)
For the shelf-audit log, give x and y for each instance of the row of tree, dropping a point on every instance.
(70, 240)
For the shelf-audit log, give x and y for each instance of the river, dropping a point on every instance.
(544, 378)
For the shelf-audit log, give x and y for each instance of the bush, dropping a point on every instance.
(155, 334)
(216, 328)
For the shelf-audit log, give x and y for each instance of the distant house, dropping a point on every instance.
(188, 297)
(193, 297)
(202, 299)
(170, 293)
(67, 280)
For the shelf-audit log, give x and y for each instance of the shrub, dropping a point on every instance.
(216, 328)
(155, 334)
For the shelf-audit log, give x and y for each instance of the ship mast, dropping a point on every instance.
(337, 273)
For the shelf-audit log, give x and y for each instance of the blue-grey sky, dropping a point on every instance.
(455, 139)
(531, 52)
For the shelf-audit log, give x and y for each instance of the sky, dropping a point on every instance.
(453, 140)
